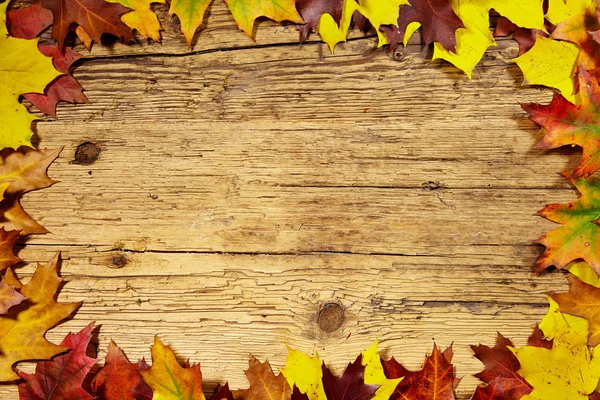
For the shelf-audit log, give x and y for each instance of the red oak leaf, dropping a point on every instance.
(500, 373)
(95, 17)
(350, 386)
(435, 381)
(62, 377)
(438, 22)
(117, 379)
(311, 11)
(568, 124)
(28, 22)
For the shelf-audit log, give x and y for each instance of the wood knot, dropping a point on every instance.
(87, 153)
(330, 317)
(118, 262)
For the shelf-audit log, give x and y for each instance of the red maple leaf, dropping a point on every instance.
(117, 379)
(537, 339)
(525, 37)
(350, 385)
(222, 393)
(500, 373)
(62, 377)
(435, 381)
(438, 22)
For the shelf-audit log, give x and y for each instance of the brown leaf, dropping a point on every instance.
(8, 240)
(264, 384)
(9, 297)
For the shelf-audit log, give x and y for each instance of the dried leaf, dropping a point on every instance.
(264, 384)
(9, 297)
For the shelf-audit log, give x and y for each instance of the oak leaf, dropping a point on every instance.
(566, 124)
(500, 373)
(22, 172)
(9, 297)
(28, 22)
(311, 12)
(435, 381)
(168, 379)
(61, 378)
(350, 385)
(95, 17)
(264, 384)
(582, 300)
(437, 19)
(8, 240)
(305, 373)
(24, 70)
(22, 335)
(578, 238)
(142, 18)
(117, 379)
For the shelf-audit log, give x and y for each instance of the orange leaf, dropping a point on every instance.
(264, 384)
(8, 239)
(117, 378)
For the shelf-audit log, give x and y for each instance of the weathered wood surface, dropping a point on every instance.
(241, 186)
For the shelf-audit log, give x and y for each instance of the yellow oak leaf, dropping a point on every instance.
(332, 33)
(567, 371)
(245, 12)
(473, 40)
(305, 372)
(381, 12)
(168, 379)
(142, 18)
(190, 13)
(374, 374)
(23, 69)
(22, 335)
(23, 171)
(550, 63)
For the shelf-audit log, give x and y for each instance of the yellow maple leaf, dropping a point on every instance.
(473, 40)
(23, 69)
(22, 336)
(245, 12)
(583, 271)
(550, 63)
(374, 374)
(332, 33)
(561, 10)
(190, 13)
(381, 12)
(305, 372)
(566, 371)
(142, 18)
(168, 379)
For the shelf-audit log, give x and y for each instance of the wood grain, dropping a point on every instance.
(242, 186)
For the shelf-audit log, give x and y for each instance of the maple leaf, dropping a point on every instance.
(582, 300)
(566, 371)
(500, 373)
(62, 377)
(142, 18)
(9, 297)
(305, 373)
(264, 384)
(8, 240)
(380, 13)
(22, 335)
(222, 393)
(473, 40)
(311, 12)
(142, 391)
(95, 17)
(565, 124)
(537, 339)
(24, 70)
(117, 379)
(374, 374)
(438, 23)
(169, 380)
(434, 381)
(333, 32)
(350, 385)
(22, 172)
(577, 238)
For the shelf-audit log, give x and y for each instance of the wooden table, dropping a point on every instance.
(241, 188)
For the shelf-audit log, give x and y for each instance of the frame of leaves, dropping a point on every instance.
(558, 41)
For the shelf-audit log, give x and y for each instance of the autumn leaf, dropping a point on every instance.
(61, 378)
(24, 70)
(117, 379)
(96, 17)
(350, 385)
(537, 339)
(576, 29)
(566, 124)
(264, 384)
(564, 372)
(222, 393)
(333, 32)
(435, 381)
(28, 22)
(142, 18)
(142, 391)
(437, 19)
(23, 171)
(525, 37)
(22, 335)
(380, 13)
(298, 395)
(245, 12)
(311, 12)
(582, 300)
(305, 373)
(374, 374)
(8, 240)
(500, 373)
(9, 297)
(473, 40)
(168, 379)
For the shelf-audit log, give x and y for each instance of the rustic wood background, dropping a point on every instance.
(243, 187)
